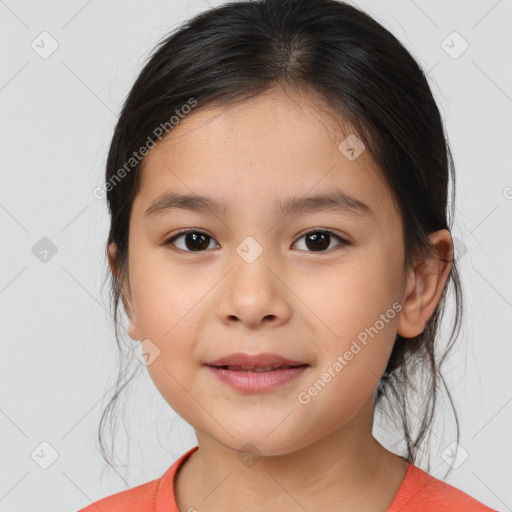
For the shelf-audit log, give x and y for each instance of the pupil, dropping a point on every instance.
(197, 241)
(319, 240)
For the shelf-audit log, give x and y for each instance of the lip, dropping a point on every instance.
(257, 382)
(248, 379)
(257, 360)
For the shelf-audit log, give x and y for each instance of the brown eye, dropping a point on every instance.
(197, 241)
(320, 240)
(193, 241)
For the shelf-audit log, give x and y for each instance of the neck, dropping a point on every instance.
(348, 469)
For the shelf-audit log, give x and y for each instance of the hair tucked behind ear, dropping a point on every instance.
(369, 80)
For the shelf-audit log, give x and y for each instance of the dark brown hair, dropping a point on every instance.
(363, 73)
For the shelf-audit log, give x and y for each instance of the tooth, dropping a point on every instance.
(258, 369)
(263, 369)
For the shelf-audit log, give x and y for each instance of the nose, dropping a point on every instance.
(253, 294)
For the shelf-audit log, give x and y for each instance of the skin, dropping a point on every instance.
(303, 304)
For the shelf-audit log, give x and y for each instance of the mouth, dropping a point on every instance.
(256, 373)
(257, 379)
(257, 369)
(257, 362)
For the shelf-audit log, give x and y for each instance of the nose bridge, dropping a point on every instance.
(251, 272)
(253, 293)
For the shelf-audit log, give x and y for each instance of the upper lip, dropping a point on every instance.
(258, 360)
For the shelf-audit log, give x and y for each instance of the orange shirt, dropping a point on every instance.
(419, 492)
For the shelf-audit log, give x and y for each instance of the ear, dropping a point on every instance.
(126, 294)
(424, 286)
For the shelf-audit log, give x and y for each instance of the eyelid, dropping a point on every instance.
(169, 240)
(334, 232)
(343, 240)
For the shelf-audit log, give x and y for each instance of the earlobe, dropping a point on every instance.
(424, 286)
(126, 296)
(133, 329)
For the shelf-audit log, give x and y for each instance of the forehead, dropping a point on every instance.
(277, 144)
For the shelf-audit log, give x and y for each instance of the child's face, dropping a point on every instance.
(302, 301)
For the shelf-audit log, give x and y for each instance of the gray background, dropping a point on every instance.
(58, 350)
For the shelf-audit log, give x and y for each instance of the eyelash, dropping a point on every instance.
(342, 242)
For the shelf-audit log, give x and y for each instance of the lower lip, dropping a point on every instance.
(254, 382)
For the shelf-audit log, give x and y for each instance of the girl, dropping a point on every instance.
(277, 184)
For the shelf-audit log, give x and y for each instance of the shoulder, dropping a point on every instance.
(154, 496)
(141, 498)
(420, 491)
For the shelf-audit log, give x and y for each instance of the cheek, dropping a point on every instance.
(169, 313)
(355, 313)
(167, 296)
(351, 295)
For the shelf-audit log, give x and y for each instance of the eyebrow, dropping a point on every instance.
(336, 201)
